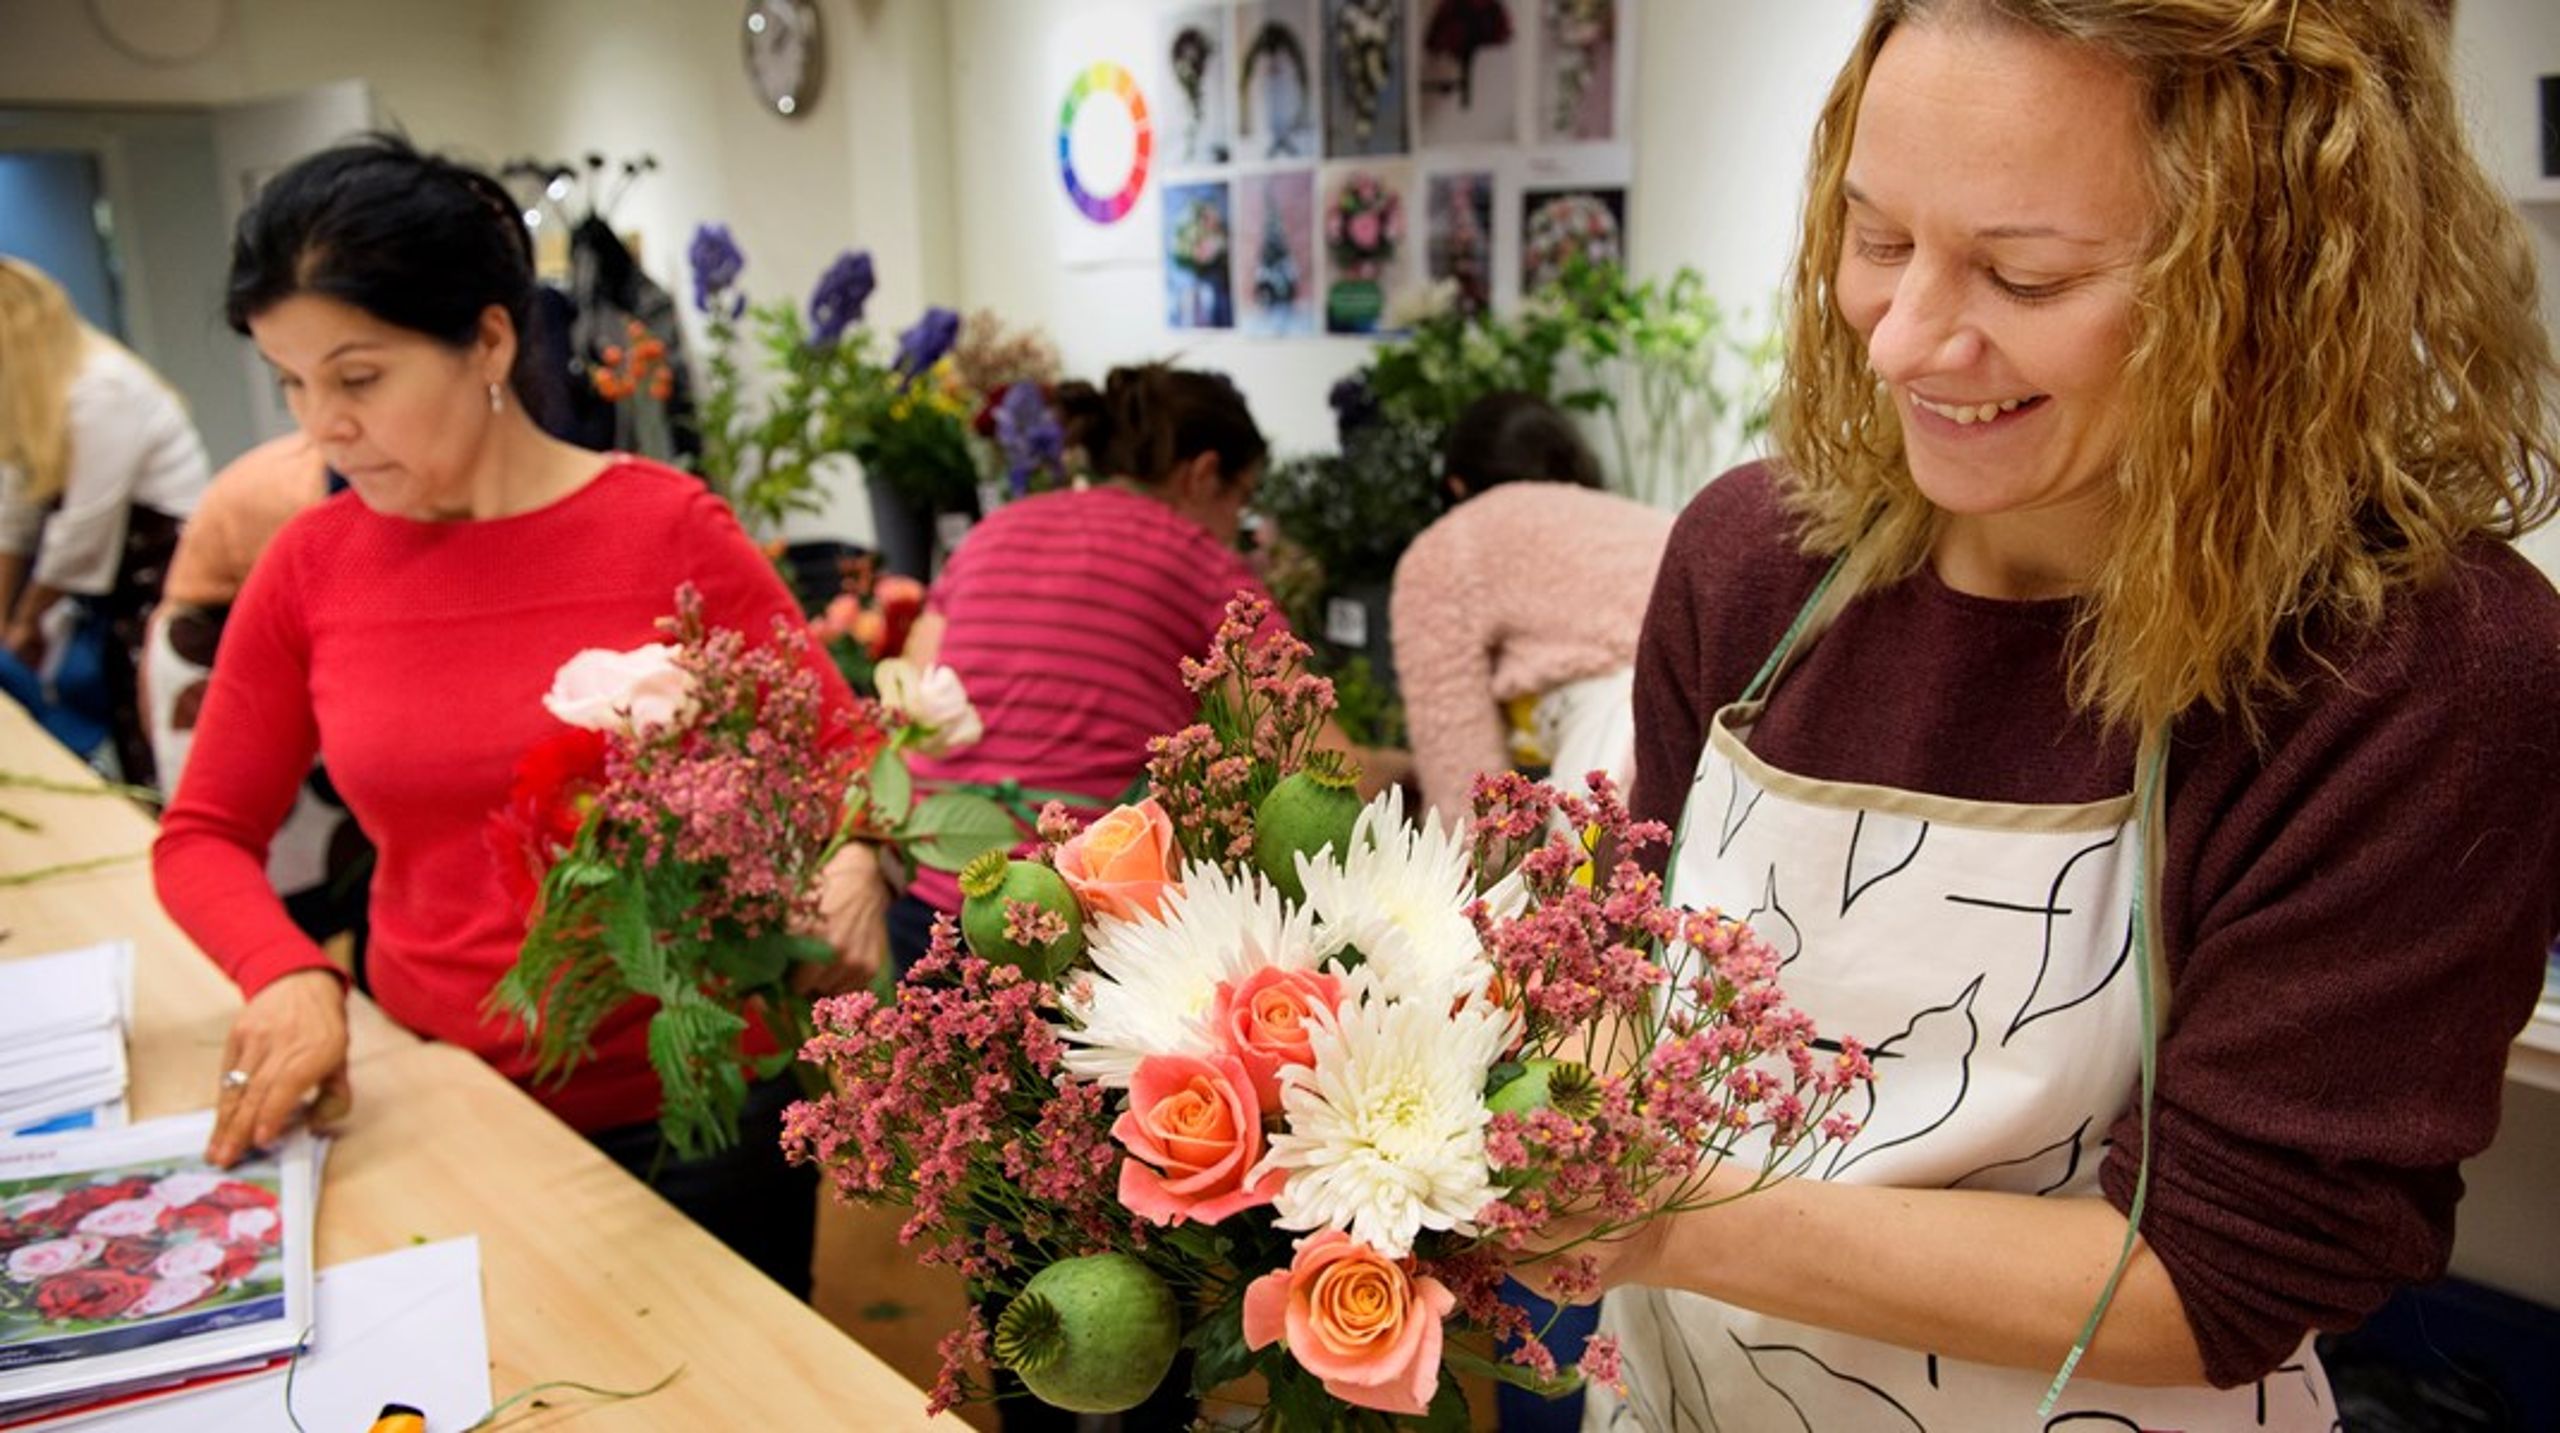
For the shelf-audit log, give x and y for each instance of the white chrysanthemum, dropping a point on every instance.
(1156, 981)
(1385, 1132)
(1400, 895)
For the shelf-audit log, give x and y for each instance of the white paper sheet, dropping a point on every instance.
(404, 1327)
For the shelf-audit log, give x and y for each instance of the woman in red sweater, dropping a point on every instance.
(407, 631)
(2122, 710)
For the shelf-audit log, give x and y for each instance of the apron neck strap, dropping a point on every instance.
(1820, 606)
(2151, 981)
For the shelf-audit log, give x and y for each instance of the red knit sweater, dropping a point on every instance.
(2356, 908)
(414, 657)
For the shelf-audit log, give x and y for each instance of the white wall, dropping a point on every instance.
(1726, 94)
(432, 63)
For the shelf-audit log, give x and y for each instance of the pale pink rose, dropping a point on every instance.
(1364, 230)
(1263, 1020)
(933, 699)
(1356, 1319)
(46, 1258)
(196, 1256)
(168, 1295)
(1122, 865)
(125, 1217)
(1194, 1135)
(250, 1225)
(604, 691)
(185, 1188)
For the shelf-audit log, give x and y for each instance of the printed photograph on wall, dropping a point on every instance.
(1558, 224)
(1198, 292)
(1364, 245)
(1458, 239)
(1469, 80)
(1578, 70)
(1364, 78)
(1275, 69)
(1275, 253)
(1194, 54)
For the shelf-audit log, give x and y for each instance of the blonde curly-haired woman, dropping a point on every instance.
(99, 465)
(2121, 707)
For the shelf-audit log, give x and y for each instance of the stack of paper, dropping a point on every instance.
(128, 1265)
(62, 1027)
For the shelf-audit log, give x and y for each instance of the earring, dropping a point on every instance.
(497, 398)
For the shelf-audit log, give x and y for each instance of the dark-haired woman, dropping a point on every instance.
(409, 628)
(1525, 598)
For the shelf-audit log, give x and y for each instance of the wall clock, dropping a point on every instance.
(786, 54)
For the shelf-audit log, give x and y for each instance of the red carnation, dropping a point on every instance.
(89, 1294)
(547, 800)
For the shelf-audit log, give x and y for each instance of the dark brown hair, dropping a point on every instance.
(1149, 419)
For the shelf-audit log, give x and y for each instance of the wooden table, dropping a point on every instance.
(587, 1274)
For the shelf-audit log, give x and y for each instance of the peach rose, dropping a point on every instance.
(1354, 1318)
(1194, 1135)
(1122, 865)
(1263, 1020)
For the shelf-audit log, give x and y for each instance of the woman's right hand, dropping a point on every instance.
(290, 1040)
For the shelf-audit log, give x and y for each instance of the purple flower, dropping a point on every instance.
(836, 303)
(1029, 434)
(923, 346)
(717, 261)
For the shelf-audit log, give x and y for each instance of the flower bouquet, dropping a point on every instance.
(1565, 229)
(1258, 1073)
(1364, 225)
(664, 845)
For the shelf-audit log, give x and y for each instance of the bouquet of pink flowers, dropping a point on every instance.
(1364, 225)
(667, 840)
(1254, 1069)
(94, 1250)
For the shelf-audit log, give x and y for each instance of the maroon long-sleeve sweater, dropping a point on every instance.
(2356, 907)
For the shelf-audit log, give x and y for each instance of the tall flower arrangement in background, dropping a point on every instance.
(828, 390)
(1259, 1070)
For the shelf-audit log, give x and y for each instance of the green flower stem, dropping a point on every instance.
(67, 868)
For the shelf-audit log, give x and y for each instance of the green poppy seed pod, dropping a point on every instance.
(993, 880)
(1091, 1335)
(1311, 809)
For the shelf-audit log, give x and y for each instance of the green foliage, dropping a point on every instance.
(1355, 512)
(769, 460)
(1365, 708)
(613, 931)
(949, 829)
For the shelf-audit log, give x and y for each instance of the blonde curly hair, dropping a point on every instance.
(2338, 371)
(42, 345)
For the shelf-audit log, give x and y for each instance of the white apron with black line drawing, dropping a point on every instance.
(1983, 953)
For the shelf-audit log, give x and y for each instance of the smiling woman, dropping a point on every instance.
(411, 628)
(2129, 637)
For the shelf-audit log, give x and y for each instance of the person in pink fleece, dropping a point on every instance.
(1531, 587)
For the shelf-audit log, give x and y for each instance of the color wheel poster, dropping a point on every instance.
(1105, 140)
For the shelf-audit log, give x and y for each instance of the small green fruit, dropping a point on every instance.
(1311, 809)
(994, 879)
(1091, 1335)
